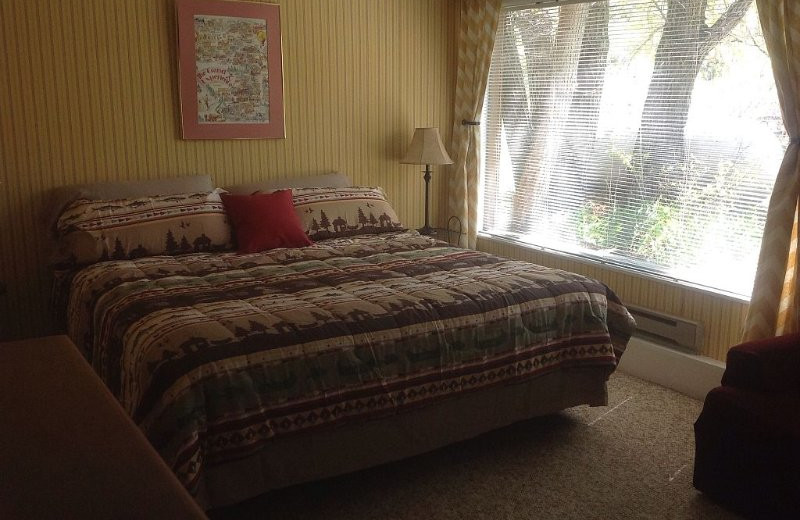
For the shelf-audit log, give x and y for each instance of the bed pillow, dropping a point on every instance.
(342, 212)
(327, 180)
(114, 229)
(61, 197)
(264, 221)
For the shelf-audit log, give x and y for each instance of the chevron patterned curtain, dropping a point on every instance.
(774, 304)
(476, 36)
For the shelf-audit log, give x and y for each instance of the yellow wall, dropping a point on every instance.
(88, 92)
(722, 318)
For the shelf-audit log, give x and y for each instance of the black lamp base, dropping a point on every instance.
(426, 229)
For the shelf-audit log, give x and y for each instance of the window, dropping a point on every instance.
(641, 133)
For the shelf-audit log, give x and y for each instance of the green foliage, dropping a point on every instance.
(664, 231)
(656, 232)
(713, 67)
(647, 230)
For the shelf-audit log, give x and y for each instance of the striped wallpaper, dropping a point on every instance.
(722, 317)
(88, 92)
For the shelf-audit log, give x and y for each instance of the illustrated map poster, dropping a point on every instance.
(230, 65)
(232, 72)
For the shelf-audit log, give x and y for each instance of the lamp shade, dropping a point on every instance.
(426, 148)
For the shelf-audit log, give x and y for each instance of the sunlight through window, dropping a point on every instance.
(641, 133)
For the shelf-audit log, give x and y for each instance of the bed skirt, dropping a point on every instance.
(354, 446)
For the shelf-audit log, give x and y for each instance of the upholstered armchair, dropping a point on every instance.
(748, 434)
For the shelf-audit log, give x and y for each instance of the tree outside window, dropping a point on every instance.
(640, 132)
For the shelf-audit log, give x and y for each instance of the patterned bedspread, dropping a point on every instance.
(214, 354)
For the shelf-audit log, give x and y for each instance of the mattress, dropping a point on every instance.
(220, 357)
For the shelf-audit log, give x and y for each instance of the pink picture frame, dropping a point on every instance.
(230, 70)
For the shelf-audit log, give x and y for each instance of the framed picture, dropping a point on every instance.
(230, 69)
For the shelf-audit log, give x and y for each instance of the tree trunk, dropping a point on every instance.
(546, 138)
(660, 147)
(591, 74)
(580, 172)
(525, 88)
(659, 156)
(659, 153)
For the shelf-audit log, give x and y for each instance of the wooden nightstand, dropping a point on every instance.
(67, 448)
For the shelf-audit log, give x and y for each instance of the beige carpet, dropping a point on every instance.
(631, 459)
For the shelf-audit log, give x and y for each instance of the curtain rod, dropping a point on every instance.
(527, 4)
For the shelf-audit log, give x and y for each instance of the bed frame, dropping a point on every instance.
(351, 447)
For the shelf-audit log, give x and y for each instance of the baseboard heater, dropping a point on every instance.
(666, 330)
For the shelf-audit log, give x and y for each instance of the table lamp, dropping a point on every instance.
(426, 148)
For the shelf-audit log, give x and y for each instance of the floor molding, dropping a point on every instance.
(686, 373)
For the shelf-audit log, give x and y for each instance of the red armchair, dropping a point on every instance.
(747, 437)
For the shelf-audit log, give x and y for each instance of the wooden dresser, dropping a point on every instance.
(68, 450)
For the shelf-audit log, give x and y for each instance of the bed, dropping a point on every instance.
(250, 372)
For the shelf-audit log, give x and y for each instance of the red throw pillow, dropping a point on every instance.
(264, 221)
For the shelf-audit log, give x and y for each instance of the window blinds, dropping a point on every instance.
(634, 132)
